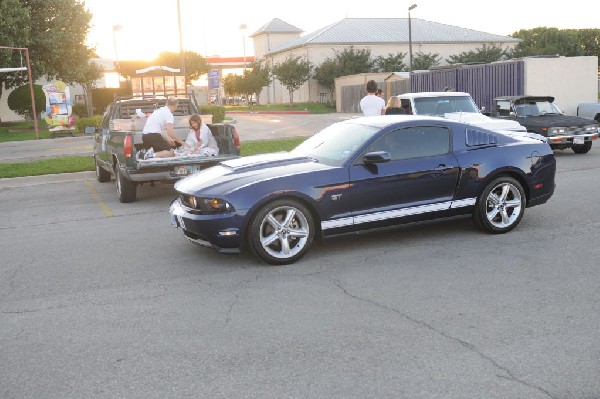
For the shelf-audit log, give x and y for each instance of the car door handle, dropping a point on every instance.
(442, 167)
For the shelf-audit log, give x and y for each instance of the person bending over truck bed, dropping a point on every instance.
(159, 123)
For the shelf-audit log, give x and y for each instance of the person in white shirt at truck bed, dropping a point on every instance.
(158, 132)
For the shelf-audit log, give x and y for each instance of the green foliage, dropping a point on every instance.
(484, 54)
(255, 77)
(23, 130)
(217, 111)
(80, 110)
(293, 73)
(232, 84)
(313, 108)
(69, 164)
(350, 61)
(391, 63)
(195, 64)
(105, 96)
(15, 29)
(262, 147)
(325, 74)
(589, 40)
(424, 61)
(19, 100)
(547, 41)
(94, 120)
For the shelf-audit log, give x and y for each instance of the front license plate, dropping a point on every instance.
(186, 169)
(578, 140)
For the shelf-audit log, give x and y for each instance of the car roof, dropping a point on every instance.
(434, 94)
(381, 121)
(524, 98)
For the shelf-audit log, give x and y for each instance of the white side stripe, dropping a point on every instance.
(373, 217)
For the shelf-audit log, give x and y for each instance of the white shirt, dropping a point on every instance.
(209, 144)
(371, 105)
(157, 122)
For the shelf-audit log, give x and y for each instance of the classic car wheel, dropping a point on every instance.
(281, 232)
(102, 175)
(126, 189)
(583, 148)
(500, 207)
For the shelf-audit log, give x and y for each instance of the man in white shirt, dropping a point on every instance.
(371, 104)
(159, 123)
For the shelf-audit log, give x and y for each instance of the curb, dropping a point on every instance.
(269, 112)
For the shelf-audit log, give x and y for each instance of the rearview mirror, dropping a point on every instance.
(377, 157)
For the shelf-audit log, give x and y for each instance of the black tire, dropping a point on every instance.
(281, 232)
(102, 175)
(126, 189)
(500, 206)
(583, 148)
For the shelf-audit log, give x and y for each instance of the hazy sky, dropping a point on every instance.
(213, 28)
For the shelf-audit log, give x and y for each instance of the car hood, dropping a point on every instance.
(485, 121)
(552, 120)
(231, 175)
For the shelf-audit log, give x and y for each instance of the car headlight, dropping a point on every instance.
(591, 128)
(554, 131)
(206, 205)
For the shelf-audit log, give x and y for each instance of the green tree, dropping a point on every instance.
(325, 74)
(255, 77)
(195, 64)
(485, 54)
(55, 32)
(391, 63)
(19, 100)
(423, 61)
(292, 73)
(14, 32)
(232, 84)
(86, 76)
(547, 41)
(351, 61)
(589, 40)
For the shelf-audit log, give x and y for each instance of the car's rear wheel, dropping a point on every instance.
(583, 148)
(102, 175)
(281, 232)
(126, 189)
(500, 206)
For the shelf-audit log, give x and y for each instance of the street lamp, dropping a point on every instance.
(243, 27)
(181, 53)
(410, 57)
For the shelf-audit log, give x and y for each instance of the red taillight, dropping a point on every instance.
(128, 147)
(236, 138)
(538, 186)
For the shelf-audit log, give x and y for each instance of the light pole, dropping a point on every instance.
(243, 28)
(410, 58)
(181, 53)
(115, 29)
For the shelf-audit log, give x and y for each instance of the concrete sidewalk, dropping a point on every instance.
(16, 182)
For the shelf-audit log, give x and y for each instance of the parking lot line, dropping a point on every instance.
(105, 209)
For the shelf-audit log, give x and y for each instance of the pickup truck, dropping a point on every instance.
(458, 106)
(589, 110)
(119, 139)
(539, 114)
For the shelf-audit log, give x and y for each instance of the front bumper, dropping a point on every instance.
(569, 140)
(221, 232)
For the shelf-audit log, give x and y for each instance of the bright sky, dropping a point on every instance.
(213, 28)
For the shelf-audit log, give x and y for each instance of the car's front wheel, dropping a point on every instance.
(281, 232)
(582, 148)
(500, 206)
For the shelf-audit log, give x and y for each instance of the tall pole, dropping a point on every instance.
(181, 54)
(35, 121)
(410, 54)
(243, 27)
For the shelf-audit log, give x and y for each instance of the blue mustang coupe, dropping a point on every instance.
(361, 174)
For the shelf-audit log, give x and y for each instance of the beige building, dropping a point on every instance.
(277, 40)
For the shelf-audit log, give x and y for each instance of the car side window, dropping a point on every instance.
(414, 142)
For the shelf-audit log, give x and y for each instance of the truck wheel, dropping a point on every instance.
(500, 206)
(102, 175)
(281, 232)
(582, 149)
(126, 189)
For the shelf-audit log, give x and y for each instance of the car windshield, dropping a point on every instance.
(336, 143)
(438, 106)
(537, 108)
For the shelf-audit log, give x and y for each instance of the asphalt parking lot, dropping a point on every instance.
(103, 299)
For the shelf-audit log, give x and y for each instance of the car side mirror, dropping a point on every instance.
(377, 157)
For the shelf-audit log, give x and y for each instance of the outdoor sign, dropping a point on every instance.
(158, 81)
(213, 79)
(59, 110)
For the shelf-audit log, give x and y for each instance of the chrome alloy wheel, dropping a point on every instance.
(504, 205)
(284, 232)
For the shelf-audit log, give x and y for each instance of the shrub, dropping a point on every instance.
(80, 110)
(19, 100)
(217, 111)
(95, 120)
